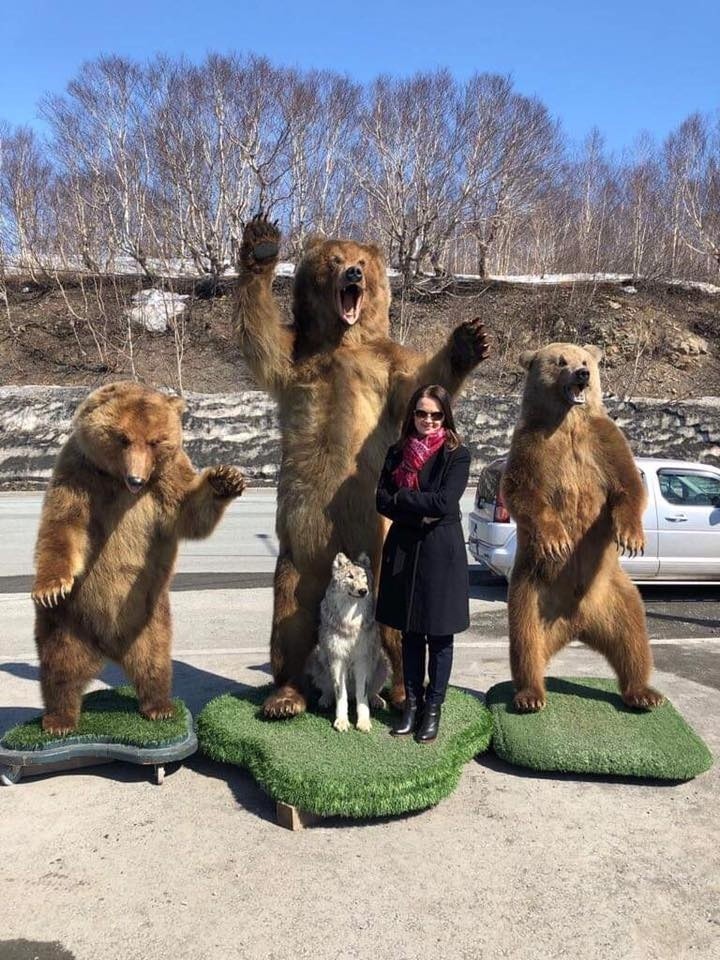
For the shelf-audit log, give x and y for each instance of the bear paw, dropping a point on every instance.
(643, 699)
(226, 481)
(58, 724)
(50, 593)
(529, 700)
(342, 724)
(470, 343)
(555, 548)
(284, 702)
(158, 711)
(631, 542)
(260, 244)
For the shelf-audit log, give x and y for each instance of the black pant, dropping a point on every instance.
(439, 666)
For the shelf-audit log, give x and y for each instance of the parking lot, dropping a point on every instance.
(103, 863)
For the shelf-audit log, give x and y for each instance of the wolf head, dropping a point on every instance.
(353, 578)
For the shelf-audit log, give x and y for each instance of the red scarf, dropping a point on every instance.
(416, 453)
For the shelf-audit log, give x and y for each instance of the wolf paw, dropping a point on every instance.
(363, 724)
(342, 724)
(226, 481)
(260, 244)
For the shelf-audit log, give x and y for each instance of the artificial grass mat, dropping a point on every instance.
(303, 761)
(586, 728)
(108, 716)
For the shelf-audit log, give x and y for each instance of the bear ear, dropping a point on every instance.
(176, 403)
(96, 399)
(595, 352)
(312, 242)
(375, 250)
(527, 357)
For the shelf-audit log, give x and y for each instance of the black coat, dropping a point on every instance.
(424, 573)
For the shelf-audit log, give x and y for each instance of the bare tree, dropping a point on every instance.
(693, 156)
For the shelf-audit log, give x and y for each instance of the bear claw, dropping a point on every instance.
(226, 481)
(471, 342)
(161, 711)
(643, 699)
(60, 726)
(51, 594)
(285, 702)
(529, 701)
(260, 243)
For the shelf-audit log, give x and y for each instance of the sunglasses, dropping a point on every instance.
(435, 416)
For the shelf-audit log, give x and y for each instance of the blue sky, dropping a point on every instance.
(624, 67)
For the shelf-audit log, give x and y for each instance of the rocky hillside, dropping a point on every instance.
(660, 340)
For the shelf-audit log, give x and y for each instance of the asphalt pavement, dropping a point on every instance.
(102, 863)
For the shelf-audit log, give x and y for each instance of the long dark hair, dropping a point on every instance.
(435, 392)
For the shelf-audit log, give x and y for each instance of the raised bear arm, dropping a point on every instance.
(442, 502)
(464, 350)
(62, 543)
(207, 499)
(265, 340)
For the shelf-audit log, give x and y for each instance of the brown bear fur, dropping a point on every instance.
(576, 494)
(342, 386)
(122, 494)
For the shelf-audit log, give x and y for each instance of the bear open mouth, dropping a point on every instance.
(575, 393)
(350, 298)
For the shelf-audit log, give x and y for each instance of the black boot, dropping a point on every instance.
(427, 730)
(408, 721)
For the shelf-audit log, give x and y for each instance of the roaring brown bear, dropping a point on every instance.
(122, 493)
(576, 494)
(342, 386)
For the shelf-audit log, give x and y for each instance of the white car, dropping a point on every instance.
(681, 522)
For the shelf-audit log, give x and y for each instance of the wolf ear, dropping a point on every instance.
(595, 352)
(340, 561)
(527, 357)
(364, 560)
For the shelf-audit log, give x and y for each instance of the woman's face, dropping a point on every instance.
(428, 416)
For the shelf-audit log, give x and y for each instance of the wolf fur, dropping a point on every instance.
(349, 649)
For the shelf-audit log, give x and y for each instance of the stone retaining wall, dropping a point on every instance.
(242, 428)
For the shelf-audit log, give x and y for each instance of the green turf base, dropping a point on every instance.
(108, 716)
(306, 763)
(586, 728)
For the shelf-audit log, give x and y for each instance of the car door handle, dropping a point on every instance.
(677, 518)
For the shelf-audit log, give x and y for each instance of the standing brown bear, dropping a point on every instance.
(576, 494)
(123, 492)
(342, 386)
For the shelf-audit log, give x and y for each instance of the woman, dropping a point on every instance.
(423, 587)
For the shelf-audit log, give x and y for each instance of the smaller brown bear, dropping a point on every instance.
(123, 492)
(576, 494)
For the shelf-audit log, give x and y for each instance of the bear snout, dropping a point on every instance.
(582, 376)
(353, 274)
(134, 484)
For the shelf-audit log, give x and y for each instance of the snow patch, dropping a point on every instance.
(154, 308)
